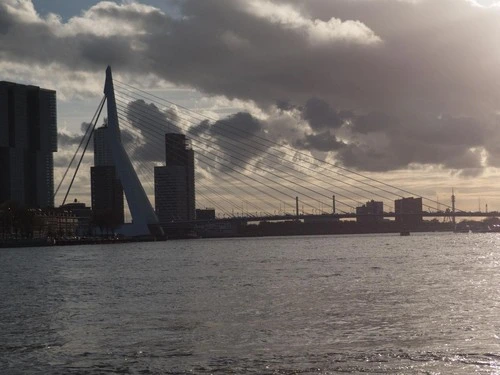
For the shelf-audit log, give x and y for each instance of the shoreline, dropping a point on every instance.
(40, 242)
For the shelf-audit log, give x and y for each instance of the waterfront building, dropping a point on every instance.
(59, 222)
(205, 214)
(174, 182)
(408, 211)
(83, 216)
(28, 139)
(370, 213)
(106, 187)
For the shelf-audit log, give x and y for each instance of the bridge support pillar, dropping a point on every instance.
(144, 219)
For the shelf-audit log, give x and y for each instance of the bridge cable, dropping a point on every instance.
(137, 131)
(83, 153)
(152, 131)
(241, 160)
(265, 157)
(136, 114)
(149, 173)
(286, 166)
(306, 155)
(78, 149)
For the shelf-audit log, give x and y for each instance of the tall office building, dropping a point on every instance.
(28, 139)
(408, 211)
(102, 151)
(106, 188)
(174, 183)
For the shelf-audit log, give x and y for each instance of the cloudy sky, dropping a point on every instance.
(403, 90)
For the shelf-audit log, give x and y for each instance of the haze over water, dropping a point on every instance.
(314, 305)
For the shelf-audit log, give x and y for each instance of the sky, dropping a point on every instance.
(407, 91)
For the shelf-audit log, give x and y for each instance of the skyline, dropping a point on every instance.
(412, 100)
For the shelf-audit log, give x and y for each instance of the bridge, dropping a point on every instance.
(250, 218)
(238, 168)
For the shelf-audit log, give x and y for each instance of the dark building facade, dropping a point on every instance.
(107, 194)
(370, 213)
(83, 216)
(106, 188)
(205, 214)
(28, 139)
(174, 183)
(408, 211)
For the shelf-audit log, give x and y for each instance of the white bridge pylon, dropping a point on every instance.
(144, 219)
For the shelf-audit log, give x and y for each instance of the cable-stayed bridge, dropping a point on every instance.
(241, 171)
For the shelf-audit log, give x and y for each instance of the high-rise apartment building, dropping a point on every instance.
(408, 211)
(102, 151)
(106, 188)
(28, 139)
(174, 183)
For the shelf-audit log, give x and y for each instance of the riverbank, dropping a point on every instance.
(43, 242)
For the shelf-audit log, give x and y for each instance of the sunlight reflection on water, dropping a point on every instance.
(387, 304)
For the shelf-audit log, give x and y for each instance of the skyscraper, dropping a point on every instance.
(102, 152)
(174, 183)
(28, 139)
(106, 188)
(408, 211)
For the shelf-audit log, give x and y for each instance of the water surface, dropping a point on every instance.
(424, 304)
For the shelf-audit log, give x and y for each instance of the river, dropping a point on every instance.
(385, 304)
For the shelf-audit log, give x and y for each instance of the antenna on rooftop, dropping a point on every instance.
(453, 206)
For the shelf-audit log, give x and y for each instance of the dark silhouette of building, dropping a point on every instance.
(205, 214)
(106, 188)
(28, 139)
(107, 194)
(370, 213)
(174, 183)
(408, 211)
(83, 216)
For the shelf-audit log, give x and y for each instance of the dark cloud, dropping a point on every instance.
(104, 51)
(389, 58)
(399, 156)
(320, 115)
(379, 142)
(395, 83)
(319, 142)
(285, 105)
(147, 125)
(232, 142)
(142, 131)
(374, 122)
(77, 47)
(372, 142)
(201, 128)
(67, 140)
(5, 22)
(84, 126)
